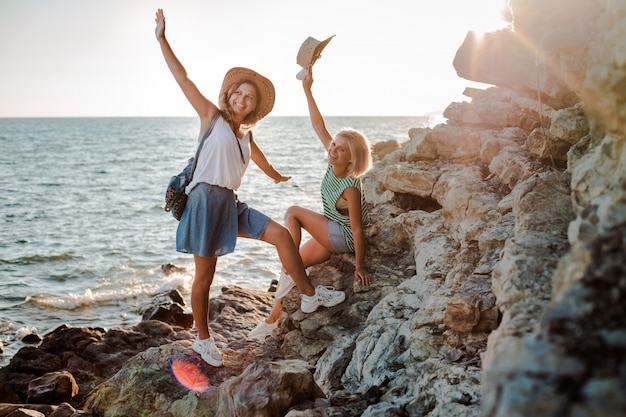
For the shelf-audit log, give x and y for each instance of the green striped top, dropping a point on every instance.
(332, 188)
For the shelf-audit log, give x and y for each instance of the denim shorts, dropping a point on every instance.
(212, 219)
(337, 237)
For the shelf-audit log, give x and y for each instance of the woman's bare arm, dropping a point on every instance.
(205, 109)
(356, 224)
(259, 158)
(317, 121)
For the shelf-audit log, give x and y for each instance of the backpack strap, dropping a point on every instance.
(209, 129)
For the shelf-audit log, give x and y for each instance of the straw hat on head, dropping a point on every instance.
(267, 94)
(310, 51)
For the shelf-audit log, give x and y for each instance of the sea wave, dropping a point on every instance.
(38, 259)
(112, 293)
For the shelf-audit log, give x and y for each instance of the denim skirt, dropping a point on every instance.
(212, 219)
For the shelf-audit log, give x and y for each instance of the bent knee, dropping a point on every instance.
(292, 213)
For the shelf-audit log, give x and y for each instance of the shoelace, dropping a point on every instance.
(324, 292)
(211, 349)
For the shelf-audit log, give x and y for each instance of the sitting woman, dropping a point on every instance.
(341, 229)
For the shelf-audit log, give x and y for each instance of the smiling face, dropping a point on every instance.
(339, 153)
(243, 100)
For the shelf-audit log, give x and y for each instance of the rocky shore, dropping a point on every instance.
(498, 252)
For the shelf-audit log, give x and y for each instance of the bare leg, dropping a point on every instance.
(292, 222)
(205, 270)
(298, 218)
(312, 254)
(280, 237)
(275, 313)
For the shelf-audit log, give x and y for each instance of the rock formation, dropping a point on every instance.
(497, 248)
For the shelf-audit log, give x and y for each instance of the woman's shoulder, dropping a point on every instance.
(210, 120)
(357, 183)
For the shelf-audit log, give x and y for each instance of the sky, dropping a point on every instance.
(87, 58)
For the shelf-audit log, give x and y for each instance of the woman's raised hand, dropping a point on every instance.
(159, 30)
(307, 81)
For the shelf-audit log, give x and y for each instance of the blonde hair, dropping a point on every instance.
(251, 119)
(361, 157)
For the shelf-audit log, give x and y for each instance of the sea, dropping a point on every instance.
(83, 233)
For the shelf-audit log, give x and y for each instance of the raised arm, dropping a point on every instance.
(205, 109)
(317, 121)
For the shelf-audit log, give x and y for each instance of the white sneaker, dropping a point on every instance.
(285, 284)
(324, 296)
(262, 330)
(208, 351)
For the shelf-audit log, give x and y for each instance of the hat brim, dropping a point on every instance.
(267, 93)
(317, 51)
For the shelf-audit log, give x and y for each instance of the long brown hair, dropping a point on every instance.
(227, 112)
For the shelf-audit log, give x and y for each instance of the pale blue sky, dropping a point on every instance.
(67, 58)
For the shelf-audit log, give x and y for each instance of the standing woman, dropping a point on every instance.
(213, 216)
(341, 228)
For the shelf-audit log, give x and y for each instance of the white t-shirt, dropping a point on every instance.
(220, 162)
